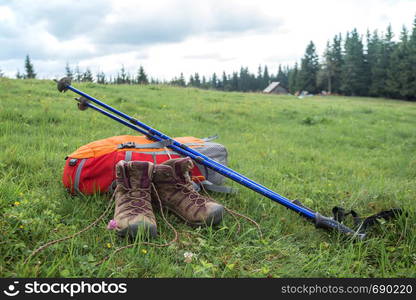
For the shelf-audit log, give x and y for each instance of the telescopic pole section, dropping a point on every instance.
(319, 220)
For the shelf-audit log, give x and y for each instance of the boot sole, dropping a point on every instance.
(214, 219)
(148, 230)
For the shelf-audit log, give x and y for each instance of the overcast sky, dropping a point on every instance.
(168, 37)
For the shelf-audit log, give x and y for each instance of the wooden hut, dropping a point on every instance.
(275, 88)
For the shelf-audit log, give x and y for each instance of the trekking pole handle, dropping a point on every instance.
(329, 223)
(63, 84)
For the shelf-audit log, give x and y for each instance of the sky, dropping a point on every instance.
(168, 37)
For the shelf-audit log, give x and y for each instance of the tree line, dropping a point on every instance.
(123, 77)
(352, 64)
(237, 81)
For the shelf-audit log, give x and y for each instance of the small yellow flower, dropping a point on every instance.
(109, 245)
(21, 226)
(325, 245)
(144, 251)
(16, 203)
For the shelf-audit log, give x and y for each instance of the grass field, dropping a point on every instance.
(354, 152)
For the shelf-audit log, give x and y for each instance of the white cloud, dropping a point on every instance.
(172, 36)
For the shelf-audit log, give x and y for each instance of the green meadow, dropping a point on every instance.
(358, 153)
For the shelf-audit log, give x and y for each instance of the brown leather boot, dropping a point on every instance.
(174, 187)
(133, 211)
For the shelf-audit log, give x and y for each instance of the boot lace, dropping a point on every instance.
(137, 201)
(195, 197)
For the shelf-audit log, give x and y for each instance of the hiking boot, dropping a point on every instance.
(177, 194)
(133, 212)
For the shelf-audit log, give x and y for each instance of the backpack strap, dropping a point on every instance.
(112, 186)
(155, 145)
(78, 175)
(128, 155)
(210, 138)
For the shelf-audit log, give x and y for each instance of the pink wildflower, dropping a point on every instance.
(112, 225)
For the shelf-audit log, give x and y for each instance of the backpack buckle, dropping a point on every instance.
(127, 145)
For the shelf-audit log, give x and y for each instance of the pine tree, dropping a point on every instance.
(123, 76)
(204, 84)
(234, 82)
(370, 56)
(19, 75)
(266, 78)
(330, 75)
(173, 81)
(400, 75)
(243, 80)
(141, 76)
(412, 63)
(393, 81)
(354, 76)
(337, 60)
(252, 83)
(78, 74)
(213, 83)
(101, 78)
(282, 77)
(259, 79)
(307, 76)
(181, 80)
(380, 63)
(197, 81)
(191, 81)
(326, 74)
(225, 82)
(68, 71)
(87, 76)
(30, 71)
(293, 79)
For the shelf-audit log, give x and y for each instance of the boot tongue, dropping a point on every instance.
(138, 174)
(121, 174)
(181, 167)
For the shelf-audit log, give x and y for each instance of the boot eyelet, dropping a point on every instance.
(200, 202)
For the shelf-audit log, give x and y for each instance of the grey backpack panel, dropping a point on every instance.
(216, 152)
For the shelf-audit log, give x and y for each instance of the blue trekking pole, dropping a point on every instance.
(320, 221)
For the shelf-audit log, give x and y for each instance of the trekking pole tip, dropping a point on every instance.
(329, 223)
(63, 83)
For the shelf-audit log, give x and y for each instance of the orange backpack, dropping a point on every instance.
(91, 168)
